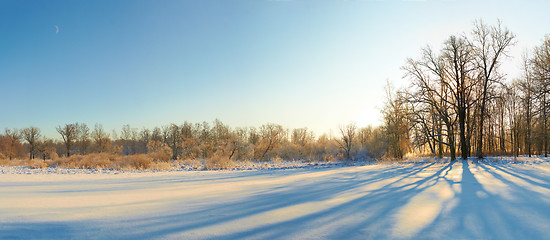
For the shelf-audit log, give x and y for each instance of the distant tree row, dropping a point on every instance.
(198, 141)
(459, 102)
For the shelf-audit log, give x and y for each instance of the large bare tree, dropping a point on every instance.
(430, 100)
(490, 44)
(347, 138)
(31, 135)
(541, 73)
(100, 137)
(83, 138)
(13, 135)
(459, 67)
(271, 136)
(69, 133)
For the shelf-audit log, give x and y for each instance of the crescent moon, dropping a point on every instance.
(56, 29)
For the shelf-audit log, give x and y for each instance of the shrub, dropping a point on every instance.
(159, 156)
(138, 161)
(96, 161)
(219, 162)
(159, 151)
(52, 153)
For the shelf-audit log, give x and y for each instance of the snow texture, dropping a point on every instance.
(425, 199)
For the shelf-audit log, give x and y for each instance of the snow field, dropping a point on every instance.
(419, 200)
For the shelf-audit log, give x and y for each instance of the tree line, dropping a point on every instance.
(197, 141)
(459, 102)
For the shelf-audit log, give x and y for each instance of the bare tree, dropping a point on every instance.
(347, 137)
(527, 97)
(83, 138)
(271, 136)
(512, 101)
(174, 139)
(69, 133)
(46, 148)
(31, 135)
(541, 72)
(13, 135)
(430, 99)
(459, 65)
(396, 126)
(301, 136)
(128, 139)
(100, 137)
(490, 45)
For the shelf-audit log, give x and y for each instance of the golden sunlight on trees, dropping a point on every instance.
(396, 125)
(458, 97)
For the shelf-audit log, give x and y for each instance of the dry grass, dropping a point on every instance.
(106, 161)
(162, 166)
(14, 162)
(152, 161)
(98, 161)
(37, 163)
(132, 162)
(19, 162)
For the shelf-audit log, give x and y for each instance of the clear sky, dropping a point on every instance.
(315, 64)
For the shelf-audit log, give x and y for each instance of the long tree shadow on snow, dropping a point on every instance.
(160, 225)
(376, 205)
(473, 213)
(288, 196)
(480, 214)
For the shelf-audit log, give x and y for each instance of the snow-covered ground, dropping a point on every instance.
(420, 200)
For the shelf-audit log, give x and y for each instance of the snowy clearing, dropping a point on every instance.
(420, 200)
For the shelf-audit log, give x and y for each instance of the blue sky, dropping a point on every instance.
(315, 64)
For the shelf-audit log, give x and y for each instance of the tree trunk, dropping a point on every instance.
(68, 146)
(462, 133)
(544, 123)
(481, 120)
(452, 148)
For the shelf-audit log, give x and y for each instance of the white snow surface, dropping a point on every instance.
(498, 198)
